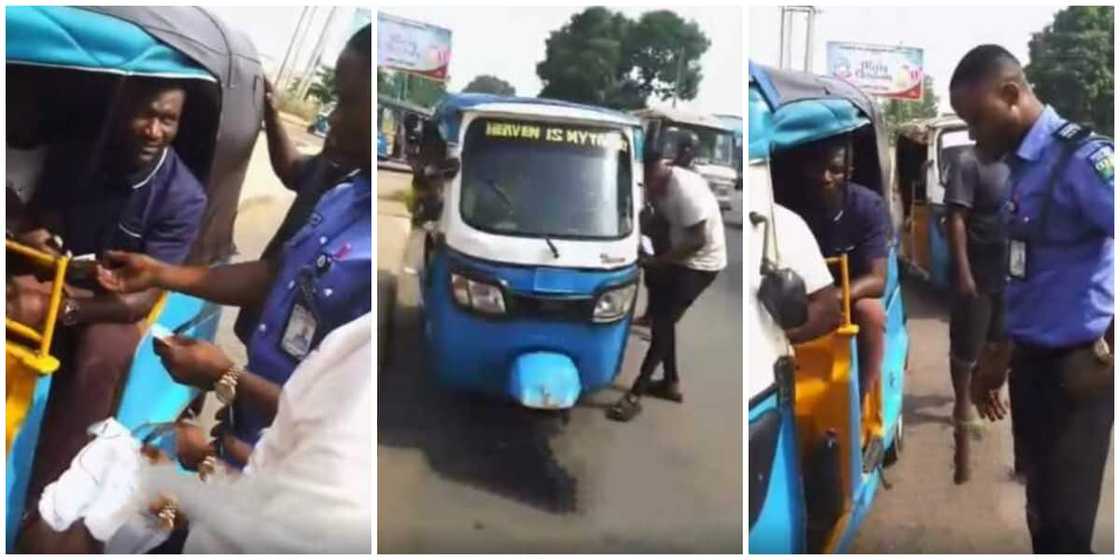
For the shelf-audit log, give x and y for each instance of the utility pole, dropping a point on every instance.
(291, 45)
(785, 55)
(316, 54)
(680, 76)
(298, 41)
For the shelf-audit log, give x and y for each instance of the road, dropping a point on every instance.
(467, 475)
(925, 512)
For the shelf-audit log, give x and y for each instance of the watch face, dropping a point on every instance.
(225, 391)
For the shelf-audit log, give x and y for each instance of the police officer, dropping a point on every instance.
(318, 282)
(1059, 296)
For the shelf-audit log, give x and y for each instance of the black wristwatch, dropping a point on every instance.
(68, 316)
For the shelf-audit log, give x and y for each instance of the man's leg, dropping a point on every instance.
(869, 314)
(1073, 466)
(968, 327)
(682, 287)
(1034, 424)
(84, 391)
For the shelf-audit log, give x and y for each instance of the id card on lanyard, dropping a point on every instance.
(299, 330)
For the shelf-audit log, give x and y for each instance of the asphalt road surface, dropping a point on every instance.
(925, 512)
(470, 475)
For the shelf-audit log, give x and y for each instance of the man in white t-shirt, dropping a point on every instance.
(696, 255)
(791, 246)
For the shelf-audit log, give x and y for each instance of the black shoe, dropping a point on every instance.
(666, 390)
(625, 409)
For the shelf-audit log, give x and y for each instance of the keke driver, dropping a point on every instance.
(847, 217)
(696, 256)
(320, 281)
(1059, 295)
(141, 198)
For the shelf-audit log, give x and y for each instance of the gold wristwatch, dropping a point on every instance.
(226, 386)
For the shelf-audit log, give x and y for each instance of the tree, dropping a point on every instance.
(323, 88)
(897, 112)
(603, 58)
(486, 83)
(1071, 65)
(661, 46)
(584, 59)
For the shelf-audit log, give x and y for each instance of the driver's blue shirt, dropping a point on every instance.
(325, 268)
(1066, 297)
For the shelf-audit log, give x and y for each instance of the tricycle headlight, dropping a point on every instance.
(613, 304)
(460, 289)
(480, 296)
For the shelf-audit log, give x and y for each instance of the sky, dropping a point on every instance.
(483, 43)
(272, 29)
(945, 33)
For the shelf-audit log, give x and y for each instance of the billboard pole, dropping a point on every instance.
(811, 15)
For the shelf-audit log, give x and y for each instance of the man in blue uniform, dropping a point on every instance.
(1059, 296)
(320, 281)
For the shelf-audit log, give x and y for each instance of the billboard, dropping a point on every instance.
(413, 46)
(886, 71)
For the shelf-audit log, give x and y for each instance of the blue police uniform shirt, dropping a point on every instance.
(861, 228)
(156, 211)
(326, 269)
(1066, 296)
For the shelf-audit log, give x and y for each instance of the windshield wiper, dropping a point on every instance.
(513, 210)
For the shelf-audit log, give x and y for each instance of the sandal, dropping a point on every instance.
(625, 409)
(666, 390)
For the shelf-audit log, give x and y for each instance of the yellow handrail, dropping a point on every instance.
(845, 284)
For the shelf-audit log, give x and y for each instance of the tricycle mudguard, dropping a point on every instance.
(547, 380)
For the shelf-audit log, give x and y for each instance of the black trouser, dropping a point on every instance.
(1065, 444)
(672, 291)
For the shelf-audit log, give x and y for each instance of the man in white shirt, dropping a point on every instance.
(791, 245)
(697, 253)
(307, 486)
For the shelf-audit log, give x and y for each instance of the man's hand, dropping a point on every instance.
(128, 273)
(988, 378)
(193, 362)
(192, 445)
(28, 300)
(269, 96)
(966, 286)
(649, 261)
(41, 240)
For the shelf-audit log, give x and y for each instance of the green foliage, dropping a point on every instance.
(487, 83)
(415, 89)
(323, 88)
(1071, 65)
(601, 57)
(897, 112)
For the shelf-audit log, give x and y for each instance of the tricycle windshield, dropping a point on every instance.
(546, 180)
(716, 147)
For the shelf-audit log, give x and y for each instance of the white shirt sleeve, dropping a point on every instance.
(798, 250)
(691, 208)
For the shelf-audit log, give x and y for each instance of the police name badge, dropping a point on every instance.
(299, 332)
(1017, 259)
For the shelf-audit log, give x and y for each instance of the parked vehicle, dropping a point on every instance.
(715, 159)
(530, 269)
(925, 152)
(816, 450)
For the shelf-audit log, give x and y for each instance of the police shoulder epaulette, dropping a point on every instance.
(1072, 132)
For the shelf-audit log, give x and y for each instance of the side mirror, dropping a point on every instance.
(782, 291)
(783, 295)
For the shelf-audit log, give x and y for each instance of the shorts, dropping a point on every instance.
(972, 323)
